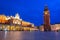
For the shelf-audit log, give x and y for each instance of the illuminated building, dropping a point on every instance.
(14, 20)
(46, 19)
(17, 16)
(11, 20)
(3, 19)
(26, 24)
(15, 23)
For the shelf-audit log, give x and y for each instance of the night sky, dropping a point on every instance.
(31, 10)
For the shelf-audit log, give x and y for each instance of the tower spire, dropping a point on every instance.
(46, 8)
(17, 16)
(46, 19)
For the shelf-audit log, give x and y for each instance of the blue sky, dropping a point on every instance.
(31, 10)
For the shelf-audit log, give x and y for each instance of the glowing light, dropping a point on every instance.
(17, 16)
(46, 13)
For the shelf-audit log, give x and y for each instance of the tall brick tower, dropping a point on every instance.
(46, 19)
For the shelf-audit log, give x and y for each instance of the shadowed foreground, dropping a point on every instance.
(29, 35)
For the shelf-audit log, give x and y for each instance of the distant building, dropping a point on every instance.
(46, 19)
